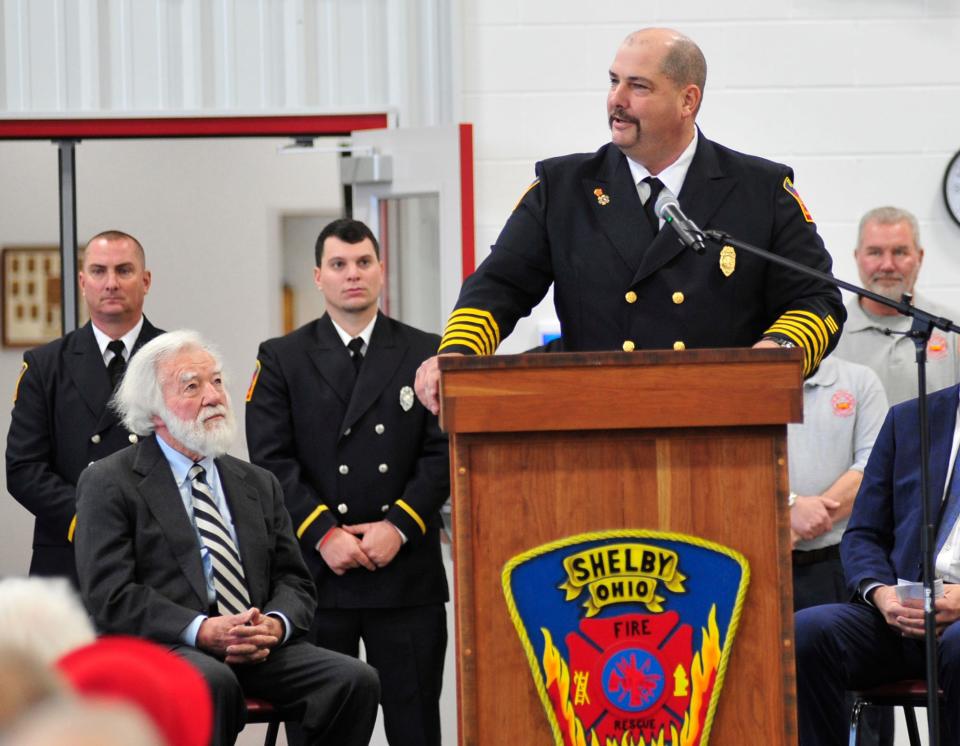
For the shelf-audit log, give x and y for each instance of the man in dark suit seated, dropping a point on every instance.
(179, 543)
(61, 421)
(621, 279)
(878, 638)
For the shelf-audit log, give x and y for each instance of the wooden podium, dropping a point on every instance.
(691, 442)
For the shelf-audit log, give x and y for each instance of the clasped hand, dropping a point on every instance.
(240, 638)
(907, 617)
(367, 545)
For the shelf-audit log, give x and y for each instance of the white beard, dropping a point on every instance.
(209, 443)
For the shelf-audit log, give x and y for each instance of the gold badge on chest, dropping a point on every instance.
(728, 260)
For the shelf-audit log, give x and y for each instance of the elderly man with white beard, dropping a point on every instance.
(181, 544)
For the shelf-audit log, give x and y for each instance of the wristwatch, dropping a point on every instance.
(782, 342)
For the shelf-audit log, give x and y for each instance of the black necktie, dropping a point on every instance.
(355, 346)
(229, 581)
(117, 364)
(650, 205)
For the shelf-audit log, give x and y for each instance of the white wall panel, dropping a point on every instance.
(861, 97)
(64, 56)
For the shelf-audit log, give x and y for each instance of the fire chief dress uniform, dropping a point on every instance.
(60, 424)
(352, 448)
(617, 285)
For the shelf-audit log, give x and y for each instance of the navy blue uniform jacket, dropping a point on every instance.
(60, 424)
(882, 540)
(581, 226)
(353, 454)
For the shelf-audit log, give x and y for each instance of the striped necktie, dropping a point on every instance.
(229, 581)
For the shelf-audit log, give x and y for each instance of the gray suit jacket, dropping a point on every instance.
(138, 557)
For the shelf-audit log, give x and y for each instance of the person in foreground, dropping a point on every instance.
(181, 544)
(877, 638)
(621, 278)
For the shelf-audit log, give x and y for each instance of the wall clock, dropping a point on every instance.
(951, 188)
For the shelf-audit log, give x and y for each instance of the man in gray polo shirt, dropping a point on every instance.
(843, 408)
(889, 257)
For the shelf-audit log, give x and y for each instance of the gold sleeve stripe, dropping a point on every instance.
(831, 324)
(73, 528)
(801, 335)
(16, 389)
(470, 330)
(473, 328)
(457, 340)
(310, 519)
(803, 340)
(811, 319)
(413, 514)
(818, 333)
(525, 191)
(478, 316)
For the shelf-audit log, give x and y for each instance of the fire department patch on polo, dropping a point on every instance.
(628, 633)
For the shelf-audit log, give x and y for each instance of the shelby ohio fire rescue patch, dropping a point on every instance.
(628, 633)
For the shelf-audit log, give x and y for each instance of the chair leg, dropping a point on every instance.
(273, 729)
(855, 715)
(912, 730)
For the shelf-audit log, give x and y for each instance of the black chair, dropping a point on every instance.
(908, 693)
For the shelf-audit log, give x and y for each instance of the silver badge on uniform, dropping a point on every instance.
(406, 398)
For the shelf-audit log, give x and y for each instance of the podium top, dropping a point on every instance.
(621, 390)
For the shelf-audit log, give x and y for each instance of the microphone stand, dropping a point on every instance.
(923, 325)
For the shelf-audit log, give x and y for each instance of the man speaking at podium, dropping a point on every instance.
(621, 278)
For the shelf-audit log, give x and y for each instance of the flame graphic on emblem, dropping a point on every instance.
(703, 672)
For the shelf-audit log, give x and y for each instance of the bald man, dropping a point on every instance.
(621, 279)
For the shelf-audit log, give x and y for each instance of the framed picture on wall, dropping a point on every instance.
(31, 295)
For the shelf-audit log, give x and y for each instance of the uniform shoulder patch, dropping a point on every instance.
(792, 191)
(525, 192)
(16, 388)
(253, 381)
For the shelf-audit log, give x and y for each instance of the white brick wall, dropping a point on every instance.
(861, 97)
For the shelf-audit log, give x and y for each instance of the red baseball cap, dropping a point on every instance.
(169, 690)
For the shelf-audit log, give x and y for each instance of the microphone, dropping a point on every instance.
(668, 208)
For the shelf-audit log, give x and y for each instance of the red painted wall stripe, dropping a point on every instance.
(468, 239)
(240, 126)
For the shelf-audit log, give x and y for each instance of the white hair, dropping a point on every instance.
(139, 398)
(43, 617)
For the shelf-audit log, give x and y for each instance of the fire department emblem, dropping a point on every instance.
(628, 633)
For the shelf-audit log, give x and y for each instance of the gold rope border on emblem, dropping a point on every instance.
(640, 533)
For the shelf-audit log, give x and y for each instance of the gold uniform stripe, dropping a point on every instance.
(818, 340)
(802, 339)
(457, 340)
(469, 330)
(525, 191)
(16, 389)
(473, 328)
(73, 528)
(813, 321)
(478, 316)
(302, 529)
(413, 514)
(831, 324)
